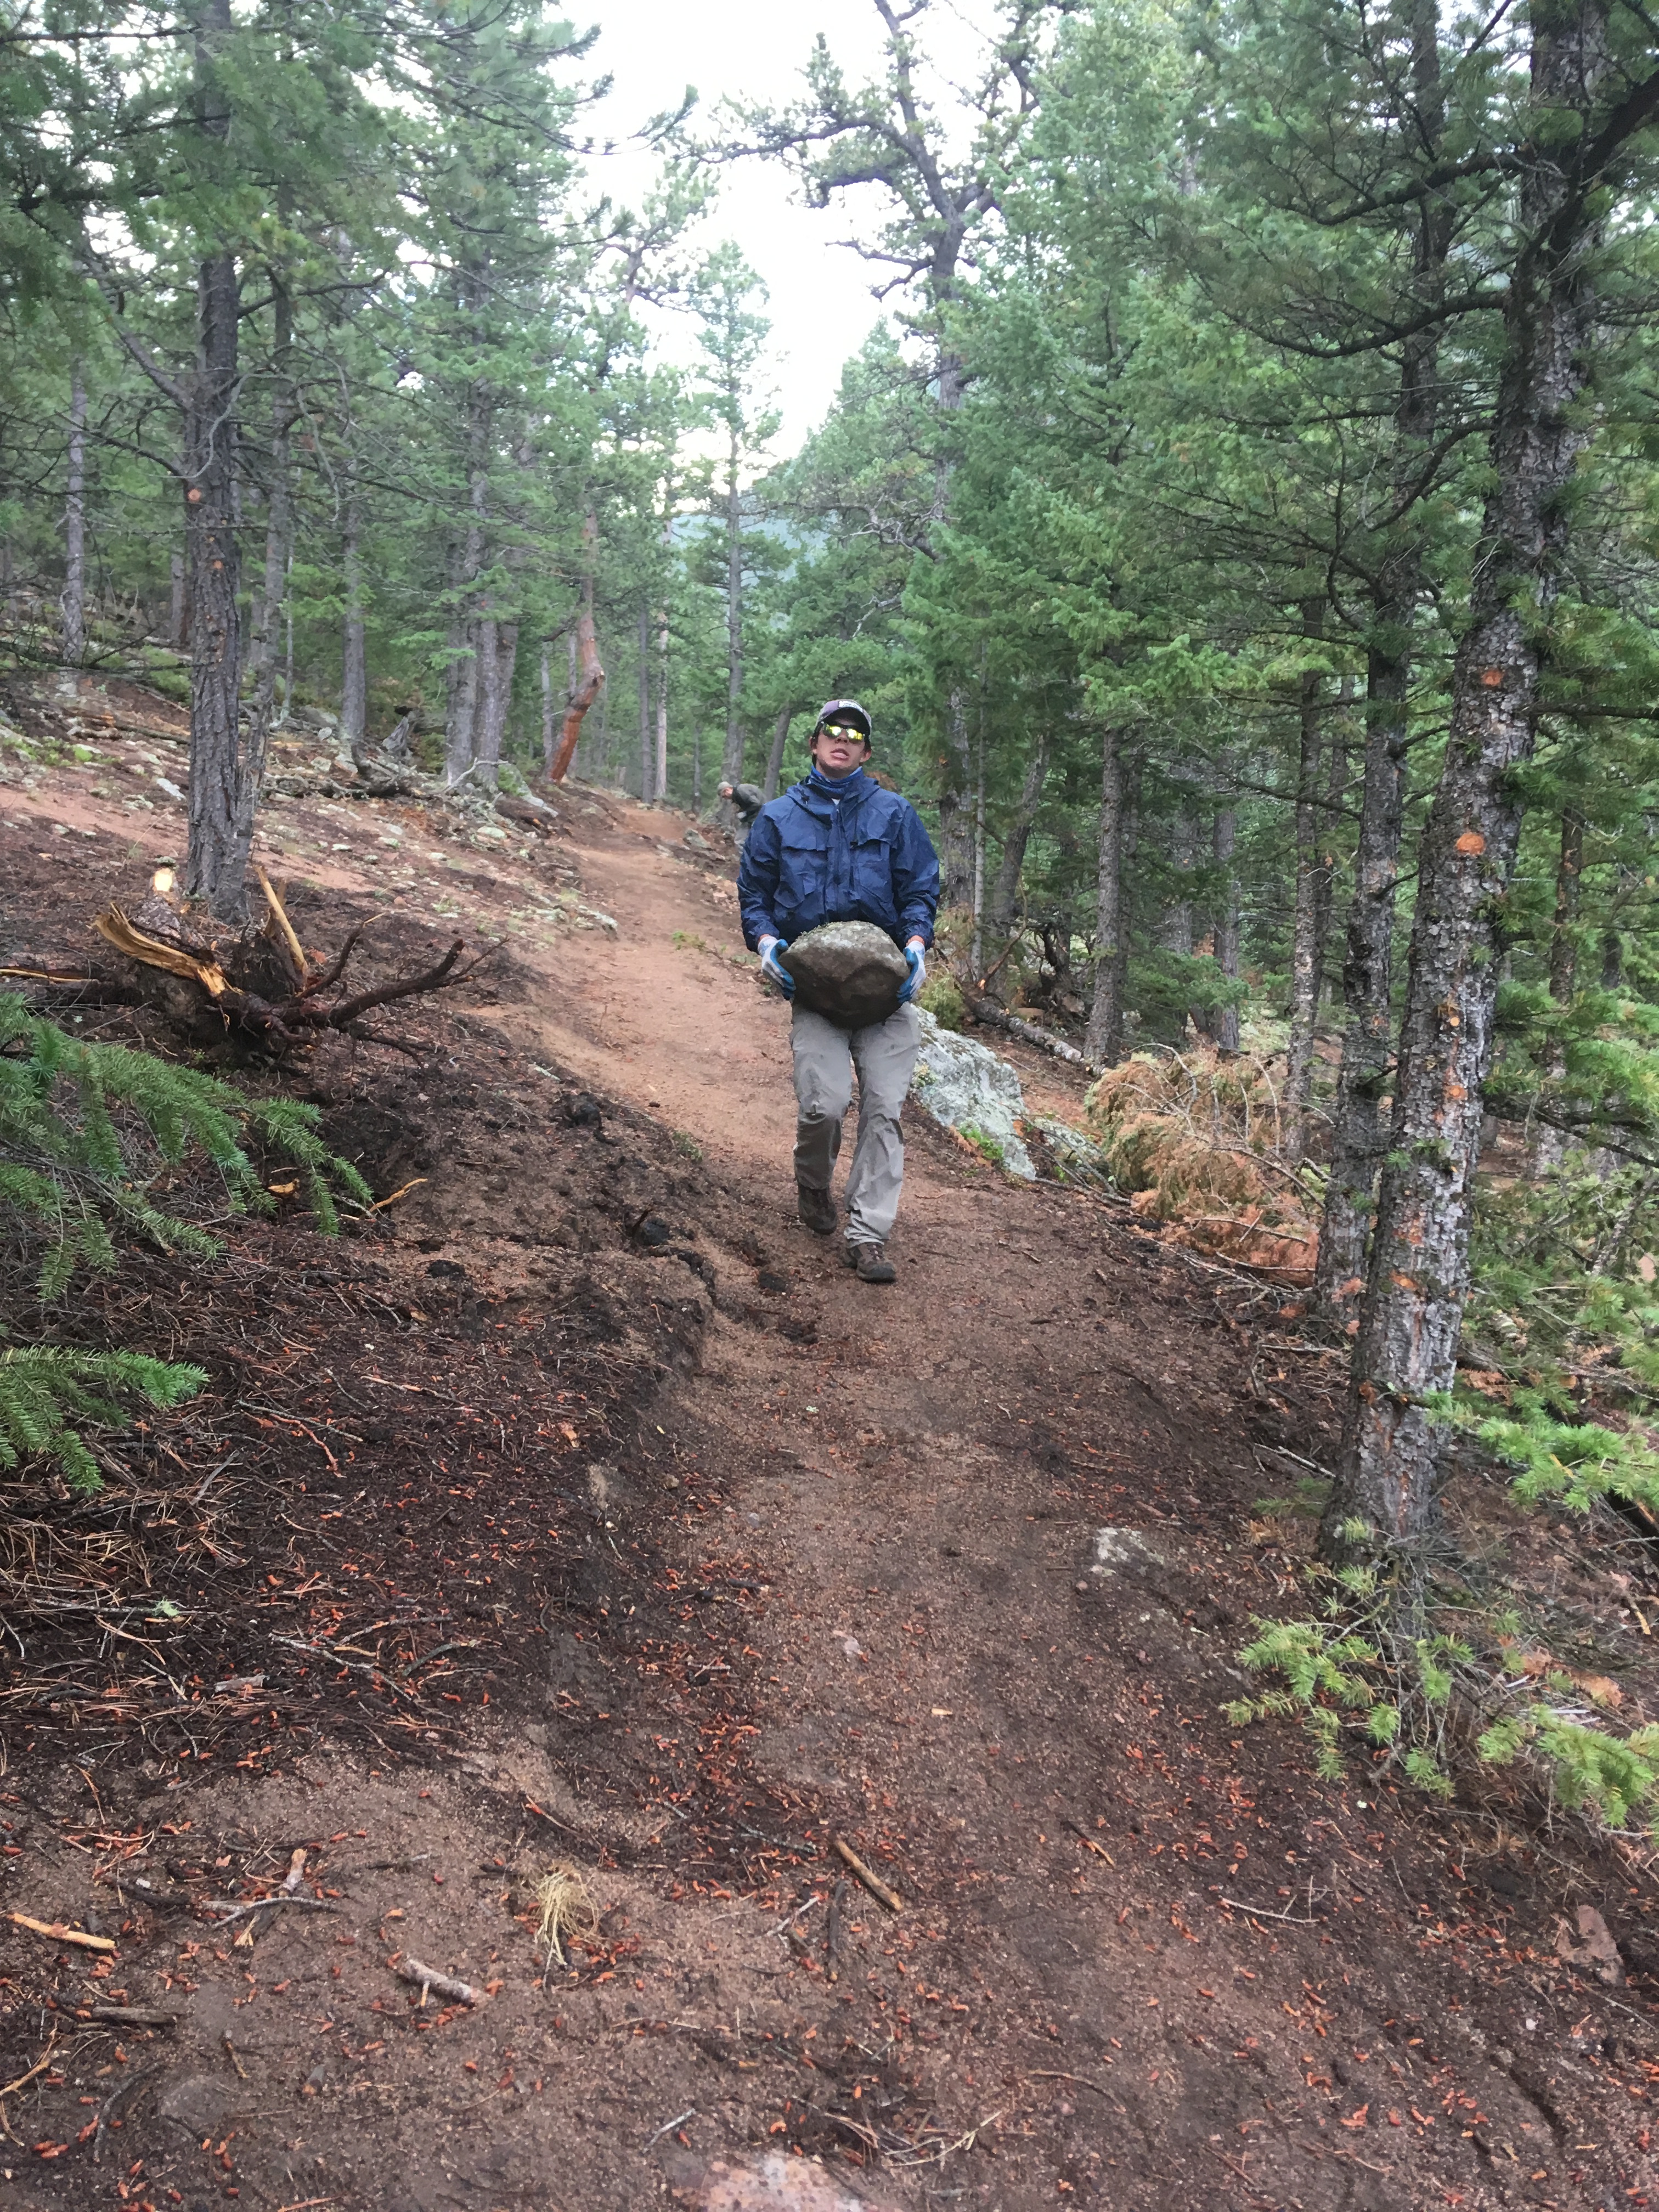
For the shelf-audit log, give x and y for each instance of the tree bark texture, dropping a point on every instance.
(647, 751)
(774, 757)
(589, 678)
(1358, 1131)
(1176, 933)
(1335, 777)
(1418, 1275)
(1304, 950)
(1103, 1036)
(976, 959)
(1548, 1142)
(223, 784)
(549, 723)
(732, 757)
(269, 601)
(354, 632)
(498, 655)
(1224, 1028)
(661, 778)
(1004, 890)
(460, 734)
(75, 524)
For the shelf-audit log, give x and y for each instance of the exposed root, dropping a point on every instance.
(566, 1908)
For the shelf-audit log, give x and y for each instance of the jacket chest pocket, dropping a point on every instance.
(872, 872)
(803, 864)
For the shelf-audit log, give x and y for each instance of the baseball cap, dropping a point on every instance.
(844, 710)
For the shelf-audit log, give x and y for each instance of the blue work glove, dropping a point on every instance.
(769, 949)
(918, 975)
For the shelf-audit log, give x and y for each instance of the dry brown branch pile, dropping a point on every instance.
(1195, 1139)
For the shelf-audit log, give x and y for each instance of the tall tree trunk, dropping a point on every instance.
(732, 758)
(545, 673)
(220, 809)
(1548, 1142)
(976, 959)
(270, 599)
(354, 632)
(1359, 1132)
(589, 681)
(647, 751)
(460, 735)
(662, 703)
(1304, 957)
(1005, 891)
(774, 757)
(1103, 1036)
(178, 601)
(288, 628)
(956, 760)
(1176, 933)
(1419, 1276)
(498, 654)
(223, 782)
(956, 806)
(74, 523)
(1224, 1027)
(1336, 772)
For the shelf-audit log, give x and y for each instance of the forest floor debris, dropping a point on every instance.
(498, 1523)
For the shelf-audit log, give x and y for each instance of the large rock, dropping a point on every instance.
(847, 971)
(965, 1087)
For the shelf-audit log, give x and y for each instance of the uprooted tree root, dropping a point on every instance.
(256, 983)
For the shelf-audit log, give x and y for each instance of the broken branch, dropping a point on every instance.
(427, 1978)
(281, 919)
(59, 1933)
(874, 1882)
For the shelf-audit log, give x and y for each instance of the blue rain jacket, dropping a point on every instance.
(863, 856)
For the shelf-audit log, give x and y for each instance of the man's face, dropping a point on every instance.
(838, 748)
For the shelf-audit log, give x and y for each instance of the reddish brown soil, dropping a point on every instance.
(584, 1509)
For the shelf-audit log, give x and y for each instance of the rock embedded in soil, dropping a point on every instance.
(847, 971)
(965, 1086)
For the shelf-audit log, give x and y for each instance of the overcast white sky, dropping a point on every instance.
(821, 306)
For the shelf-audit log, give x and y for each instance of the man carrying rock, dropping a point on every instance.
(838, 847)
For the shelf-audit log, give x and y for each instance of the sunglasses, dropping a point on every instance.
(843, 731)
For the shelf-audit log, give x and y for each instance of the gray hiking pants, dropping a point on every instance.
(884, 1055)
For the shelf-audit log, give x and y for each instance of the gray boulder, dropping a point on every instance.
(965, 1087)
(847, 971)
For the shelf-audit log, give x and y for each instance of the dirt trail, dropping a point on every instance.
(956, 1571)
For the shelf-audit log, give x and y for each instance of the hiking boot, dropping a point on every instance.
(871, 1264)
(817, 1210)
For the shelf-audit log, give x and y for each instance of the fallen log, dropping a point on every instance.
(985, 1011)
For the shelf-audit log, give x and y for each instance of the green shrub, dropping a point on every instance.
(86, 1130)
(88, 1133)
(1371, 1668)
(939, 997)
(44, 1387)
(986, 1146)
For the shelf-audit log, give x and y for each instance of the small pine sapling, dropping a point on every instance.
(88, 1133)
